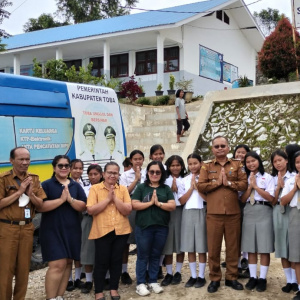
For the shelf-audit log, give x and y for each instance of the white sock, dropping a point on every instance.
(71, 276)
(161, 260)
(107, 276)
(239, 264)
(89, 277)
(77, 273)
(245, 255)
(263, 271)
(169, 269)
(294, 278)
(124, 268)
(288, 274)
(202, 269)
(253, 270)
(193, 269)
(178, 267)
(298, 287)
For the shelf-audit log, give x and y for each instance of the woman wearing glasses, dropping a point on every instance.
(153, 201)
(109, 204)
(60, 231)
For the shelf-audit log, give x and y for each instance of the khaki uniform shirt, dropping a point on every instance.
(8, 186)
(222, 199)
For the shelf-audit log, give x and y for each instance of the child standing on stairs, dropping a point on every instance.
(182, 117)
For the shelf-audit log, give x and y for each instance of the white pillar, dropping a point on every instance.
(160, 59)
(85, 62)
(59, 54)
(106, 60)
(131, 62)
(17, 64)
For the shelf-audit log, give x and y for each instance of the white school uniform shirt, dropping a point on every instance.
(265, 182)
(169, 182)
(128, 177)
(286, 177)
(288, 186)
(195, 201)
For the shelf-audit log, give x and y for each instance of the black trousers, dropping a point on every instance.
(108, 256)
(183, 122)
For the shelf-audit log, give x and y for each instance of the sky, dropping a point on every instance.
(22, 10)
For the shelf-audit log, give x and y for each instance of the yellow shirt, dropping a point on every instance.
(110, 218)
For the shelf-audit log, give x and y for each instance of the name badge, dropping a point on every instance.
(27, 213)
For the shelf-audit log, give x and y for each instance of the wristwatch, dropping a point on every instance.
(229, 183)
(160, 204)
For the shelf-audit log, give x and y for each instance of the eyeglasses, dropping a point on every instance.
(110, 174)
(61, 166)
(219, 146)
(152, 172)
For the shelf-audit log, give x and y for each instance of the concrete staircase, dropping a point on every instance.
(146, 126)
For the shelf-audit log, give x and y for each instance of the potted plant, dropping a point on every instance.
(142, 91)
(130, 89)
(159, 91)
(171, 91)
(187, 86)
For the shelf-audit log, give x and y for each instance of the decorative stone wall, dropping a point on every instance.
(264, 123)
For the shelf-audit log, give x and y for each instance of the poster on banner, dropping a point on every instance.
(296, 12)
(230, 72)
(98, 127)
(211, 64)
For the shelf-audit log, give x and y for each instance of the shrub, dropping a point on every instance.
(163, 100)
(143, 101)
(130, 89)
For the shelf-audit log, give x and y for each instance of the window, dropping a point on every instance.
(146, 62)
(77, 63)
(97, 69)
(119, 65)
(226, 18)
(171, 59)
(222, 16)
(219, 15)
(1, 70)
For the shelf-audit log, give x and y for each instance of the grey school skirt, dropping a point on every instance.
(193, 231)
(294, 235)
(87, 253)
(281, 224)
(257, 232)
(174, 236)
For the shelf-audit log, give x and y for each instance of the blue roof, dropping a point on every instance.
(165, 16)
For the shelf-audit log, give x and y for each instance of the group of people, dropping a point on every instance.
(164, 209)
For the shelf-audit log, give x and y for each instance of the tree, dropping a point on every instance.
(4, 14)
(44, 21)
(278, 57)
(80, 11)
(2, 46)
(267, 19)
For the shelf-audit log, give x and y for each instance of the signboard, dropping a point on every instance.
(296, 12)
(211, 64)
(230, 72)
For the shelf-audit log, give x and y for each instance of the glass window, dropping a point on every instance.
(226, 18)
(97, 69)
(219, 15)
(171, 59)
(146, 62)
(77, 63)
(119, 65)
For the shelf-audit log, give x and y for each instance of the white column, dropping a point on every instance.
(160, 59)
(17, 64)
(131, 62)
(59, 54)
(85, 62)
(106, 59)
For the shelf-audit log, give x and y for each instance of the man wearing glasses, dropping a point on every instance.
(20, 194)
(221, 179)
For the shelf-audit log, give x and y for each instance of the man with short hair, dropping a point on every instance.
(20, 194)
(221, 179)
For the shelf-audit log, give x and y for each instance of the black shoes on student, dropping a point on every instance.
(125, 278)
(234, 284)
(213, 286)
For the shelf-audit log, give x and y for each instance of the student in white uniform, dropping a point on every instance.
(131, 179)
(175, 173)
(193, 226)
(290, 195)
(257, 235)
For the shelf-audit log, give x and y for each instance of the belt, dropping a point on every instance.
(21, 223)
(262, 203)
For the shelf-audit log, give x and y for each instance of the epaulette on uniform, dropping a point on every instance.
(6, 173)
(207, 161)
(31, 174)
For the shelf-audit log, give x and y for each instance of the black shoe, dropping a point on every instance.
(240, 272)
(70, 286)
(234, 284)
(87, 287)
(246, 274)
(200, 282)
(78, 284)
(190, 282)
(133, 252)
(251, 284)
(176, 278)
(223, 264)
(160, 274)
(107, 285)
(297, 297)
(295, 287)
(167, 280)
(287, 288)
(125, 278)
(244, 263)
(82, 275)
(261, 285)
(213, 286)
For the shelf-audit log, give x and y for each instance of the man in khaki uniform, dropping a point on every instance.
(221, 179)
(20, 194)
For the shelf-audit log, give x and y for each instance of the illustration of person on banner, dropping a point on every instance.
(90, 152)
(112, 153)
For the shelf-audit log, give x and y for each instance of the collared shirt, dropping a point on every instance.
(169, 182)
(180, 103)
(128, 177)
(110, 218)
(264, 182)
(222, 199)
(288, 186)
(286, 176)
(195, 201)
(8, 186)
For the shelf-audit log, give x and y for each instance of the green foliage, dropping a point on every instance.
(44, 21)
(267, 19)
(244, 81)
(171, 82)
(113, 83)
(159, 87)
(278, 57)
(186, 85)
(80, 11)
(143, 101)
(4, 14)
(162, 100)
(2, 46)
